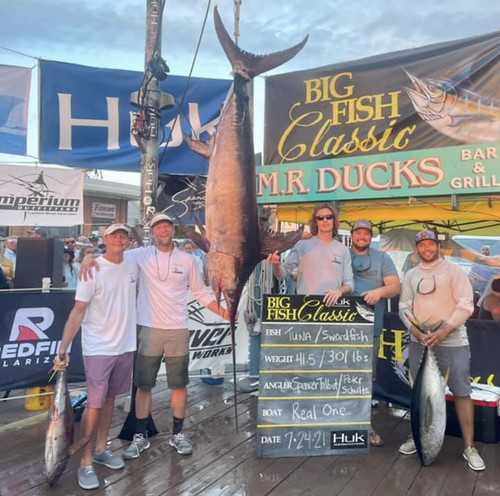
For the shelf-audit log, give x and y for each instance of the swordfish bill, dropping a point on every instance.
(235, 241)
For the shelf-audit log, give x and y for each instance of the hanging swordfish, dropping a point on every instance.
(235, 242)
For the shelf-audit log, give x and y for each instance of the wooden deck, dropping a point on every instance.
(224, 462)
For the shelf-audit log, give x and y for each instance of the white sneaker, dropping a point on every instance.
(408, 447)
(181, 444)
(136, 447)
(473, 459)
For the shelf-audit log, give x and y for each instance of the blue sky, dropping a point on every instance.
(111, 34)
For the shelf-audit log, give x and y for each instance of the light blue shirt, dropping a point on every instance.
(369, 273)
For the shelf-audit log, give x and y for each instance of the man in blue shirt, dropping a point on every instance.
(375, 279)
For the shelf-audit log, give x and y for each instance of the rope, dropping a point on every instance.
(237, 5)
(19, 53)
(167, 141)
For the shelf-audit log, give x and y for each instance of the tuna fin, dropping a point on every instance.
(273, 241)
(247, 64)
(198, 146)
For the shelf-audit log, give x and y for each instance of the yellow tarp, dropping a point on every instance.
(477, 215)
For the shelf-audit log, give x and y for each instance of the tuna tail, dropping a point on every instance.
(247, 64)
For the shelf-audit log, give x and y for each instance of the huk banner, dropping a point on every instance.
(14, 97)
(31, 196)
(420, 122)
(86, 118)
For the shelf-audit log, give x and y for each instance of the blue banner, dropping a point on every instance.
(14, 96)
(86, 117)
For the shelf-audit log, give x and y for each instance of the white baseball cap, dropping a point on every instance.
(160, 218)
(116, 227)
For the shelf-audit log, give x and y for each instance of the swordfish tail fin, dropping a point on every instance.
(247, 64)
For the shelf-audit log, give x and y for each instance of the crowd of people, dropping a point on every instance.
(132, 302)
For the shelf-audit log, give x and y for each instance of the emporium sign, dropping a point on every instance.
(420, 122)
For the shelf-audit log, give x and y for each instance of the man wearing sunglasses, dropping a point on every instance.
(375, 279)
(437, 294)
(321, 263)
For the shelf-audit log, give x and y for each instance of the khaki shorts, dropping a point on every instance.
(156, 344)
(456, 359)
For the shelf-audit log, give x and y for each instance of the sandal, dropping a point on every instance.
(375, 440)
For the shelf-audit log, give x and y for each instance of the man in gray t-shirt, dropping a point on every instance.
(375, 279)
(321, 264)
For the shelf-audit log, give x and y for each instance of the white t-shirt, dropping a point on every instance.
(165, 280)
(109, 324)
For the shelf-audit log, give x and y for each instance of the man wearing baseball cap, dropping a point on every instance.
(105, 307)
(166, 276)
(436, 294)
(375, 280)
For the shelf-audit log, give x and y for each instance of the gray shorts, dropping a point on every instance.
(456, 359)
(156, 344)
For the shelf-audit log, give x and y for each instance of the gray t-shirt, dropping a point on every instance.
(319, 265)
(369, 273)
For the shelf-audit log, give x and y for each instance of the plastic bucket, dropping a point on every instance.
(38, 403)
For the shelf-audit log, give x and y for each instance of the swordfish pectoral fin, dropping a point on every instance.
(200, 147)
(272, 241)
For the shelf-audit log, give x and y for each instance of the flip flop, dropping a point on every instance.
(375, 440)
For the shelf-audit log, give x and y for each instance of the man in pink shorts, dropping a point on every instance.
(105, 307)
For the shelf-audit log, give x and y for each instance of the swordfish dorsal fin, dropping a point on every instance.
(247, 64)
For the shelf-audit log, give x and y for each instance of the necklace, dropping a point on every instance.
(158, 265)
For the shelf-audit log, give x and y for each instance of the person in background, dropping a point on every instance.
(105, 307)
(10, 252)
(436, 294)
(489, 303)
(70, 269)
(321, 263)
(375, 280)
(4, 283)
(480, 274)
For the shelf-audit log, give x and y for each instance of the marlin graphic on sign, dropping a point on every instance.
(458, 113)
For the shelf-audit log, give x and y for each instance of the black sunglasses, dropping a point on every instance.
(324, 217)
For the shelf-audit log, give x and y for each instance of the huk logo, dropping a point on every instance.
(29, 345)
(29, 324)
(349, 439)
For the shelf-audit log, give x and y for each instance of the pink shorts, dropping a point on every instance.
(107, 376)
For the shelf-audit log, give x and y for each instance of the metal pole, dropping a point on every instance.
(149, 102)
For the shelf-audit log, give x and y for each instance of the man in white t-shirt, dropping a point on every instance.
(166, 276)
(105, 307)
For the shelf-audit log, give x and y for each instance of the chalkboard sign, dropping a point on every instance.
(315, 376)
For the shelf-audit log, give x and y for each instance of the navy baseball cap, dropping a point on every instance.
(427, 234)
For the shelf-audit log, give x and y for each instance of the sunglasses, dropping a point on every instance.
(324, 217)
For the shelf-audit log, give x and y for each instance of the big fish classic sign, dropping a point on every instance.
(420, 122)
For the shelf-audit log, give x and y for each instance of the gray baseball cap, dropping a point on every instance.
(362, 224)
